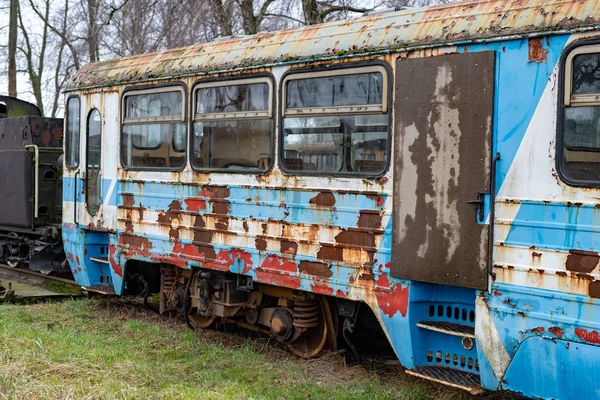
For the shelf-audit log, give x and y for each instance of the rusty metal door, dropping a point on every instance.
(442, 147)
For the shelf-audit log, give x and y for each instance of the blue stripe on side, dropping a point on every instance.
(260, 203)
(556, 226)
(69, 191)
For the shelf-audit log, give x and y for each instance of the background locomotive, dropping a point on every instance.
(30, 187)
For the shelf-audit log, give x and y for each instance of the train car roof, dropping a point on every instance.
(449, 24)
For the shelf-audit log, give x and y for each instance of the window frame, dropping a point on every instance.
(233, 80)
(87, 152)
(68, 143)
(160, 88)
(567, 100)
(333, 70)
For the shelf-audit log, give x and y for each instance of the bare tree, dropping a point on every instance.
(252, 21)
(34, 55)
(317, 12)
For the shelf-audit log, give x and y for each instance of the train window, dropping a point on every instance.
(579, 155)
(94, 155)
(336, 121)
(154, 128)
(233, 125)
(72, 134)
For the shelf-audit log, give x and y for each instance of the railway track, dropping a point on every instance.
(17, 284)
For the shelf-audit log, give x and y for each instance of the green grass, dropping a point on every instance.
(92, 349)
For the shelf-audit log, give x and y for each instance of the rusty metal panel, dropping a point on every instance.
(444, 108)
(457, 22)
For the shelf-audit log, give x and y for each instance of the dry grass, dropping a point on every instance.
(96, 349)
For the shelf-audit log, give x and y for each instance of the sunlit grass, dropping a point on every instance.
(84, 349)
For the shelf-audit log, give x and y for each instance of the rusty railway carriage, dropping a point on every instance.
(439, 167)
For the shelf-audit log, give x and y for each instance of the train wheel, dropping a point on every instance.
(197, 321)
(14, 264)
(313, 342)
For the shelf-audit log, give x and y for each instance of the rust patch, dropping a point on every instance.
(537, 52)
(329, 252)
(323, 199)
(260, 243)
(203, 239)
(369, 219)
(218, 196)
(357, 239)
(582, 261)
(377, 199)
(288, 247)
(536, 255)
(168, 216)
(556, 331)
(319, 269)
(594, 289)
(128, 199)
(245, 226)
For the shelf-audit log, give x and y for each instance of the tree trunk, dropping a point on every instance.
(12, 49)
(312, 15)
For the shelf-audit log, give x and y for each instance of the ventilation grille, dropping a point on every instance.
(452, 360)
(459, 314)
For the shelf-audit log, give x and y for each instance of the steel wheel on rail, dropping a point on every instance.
(311, 343)
(18, 263)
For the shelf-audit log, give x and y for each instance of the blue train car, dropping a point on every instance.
(439, 167)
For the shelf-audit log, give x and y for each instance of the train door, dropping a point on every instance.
(443, 144)
(93, 157)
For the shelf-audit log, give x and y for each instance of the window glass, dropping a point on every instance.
(335, 91)
(154, 105)
(72, 134)
(586, 74)
(93, 177)
(347, 142)
(233, 127)
(581, 121)
(154, 130)
(336, 144)
(233, 98)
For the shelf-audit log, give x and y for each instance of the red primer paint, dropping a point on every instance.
(195, 204)
(588, 336)
(273, 262)
(539, 329)
(115, 265)
(321, 288)
(341, 294)
(392, 298)
(77, 260)
(276, 279)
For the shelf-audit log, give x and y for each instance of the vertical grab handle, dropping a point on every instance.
(492, 216)
(75, 198)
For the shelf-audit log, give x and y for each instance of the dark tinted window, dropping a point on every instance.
(72, 133)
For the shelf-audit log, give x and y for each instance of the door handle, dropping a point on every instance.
(480, 204)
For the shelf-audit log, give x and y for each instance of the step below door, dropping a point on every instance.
(443, 139)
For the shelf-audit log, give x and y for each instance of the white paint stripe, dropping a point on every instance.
(489, 340)
(111, 188)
